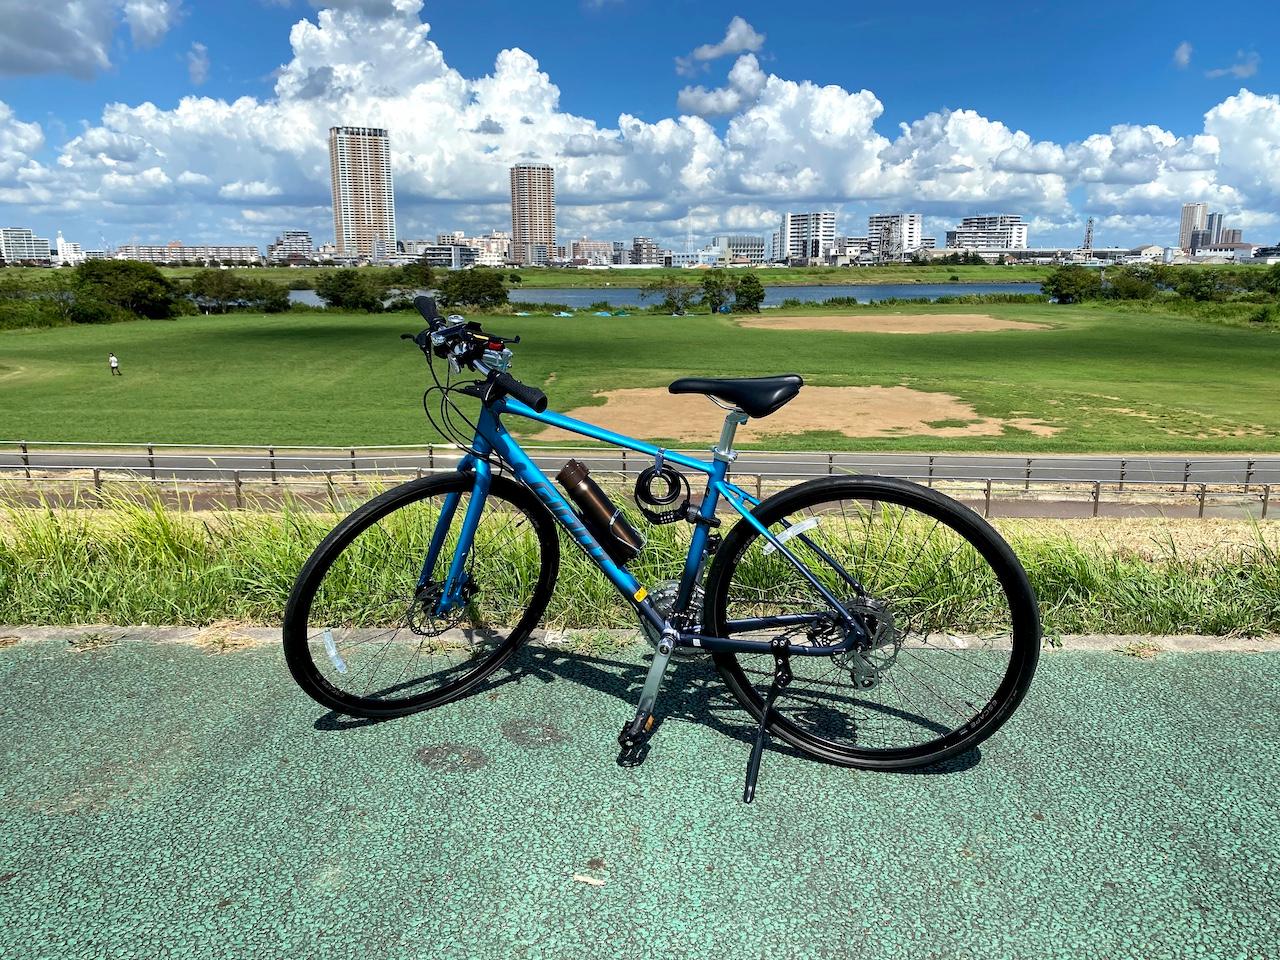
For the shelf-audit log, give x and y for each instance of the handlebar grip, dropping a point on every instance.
(427, 307)
(526, 394)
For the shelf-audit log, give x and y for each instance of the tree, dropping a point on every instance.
(417, 276)
(216, 291)
(1134, 282)
(258, 293)
(516, 279)
(1271, 280)
(676, 294)
(477, 287)
(138, 288)
(350, 288)
(749, 294)
(1204, 284)
(1072, 284)
(715, 289)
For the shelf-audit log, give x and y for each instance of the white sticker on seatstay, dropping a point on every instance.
(331, 649)
(792, 531)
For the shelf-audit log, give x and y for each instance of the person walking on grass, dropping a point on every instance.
(114, 361)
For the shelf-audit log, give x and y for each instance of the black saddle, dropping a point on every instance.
(755, 396)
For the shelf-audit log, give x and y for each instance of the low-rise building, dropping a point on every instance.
(591, 252)
(740, 248)
(68, 254)
(177, 252)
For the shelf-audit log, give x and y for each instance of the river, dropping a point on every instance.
(579, 297)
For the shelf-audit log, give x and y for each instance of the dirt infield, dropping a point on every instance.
(894, 323)
(854, 411)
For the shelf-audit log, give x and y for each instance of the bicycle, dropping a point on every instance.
(865, 621)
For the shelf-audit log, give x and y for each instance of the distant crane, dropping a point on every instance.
(1088, 238)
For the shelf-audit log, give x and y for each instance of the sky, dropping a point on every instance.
(206, 120)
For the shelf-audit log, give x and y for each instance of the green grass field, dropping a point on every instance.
(1111, 381)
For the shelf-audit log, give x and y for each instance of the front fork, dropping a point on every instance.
(453, 593)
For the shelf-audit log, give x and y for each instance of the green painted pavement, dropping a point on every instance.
(158, 800)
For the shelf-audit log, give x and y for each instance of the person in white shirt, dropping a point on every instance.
(114, 361)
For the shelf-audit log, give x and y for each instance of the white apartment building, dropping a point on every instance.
(1194, 217)
(740, 248)
(292, 246)
(19, 243)
(805, 236)
(895, 236)
(364, 206)
(533, 211)
(179, 252)
(646, 252)
(999, 232)
(69, 254)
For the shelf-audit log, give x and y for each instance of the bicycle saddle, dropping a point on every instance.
(756, 396)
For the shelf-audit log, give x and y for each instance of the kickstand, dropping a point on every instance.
(781, 647)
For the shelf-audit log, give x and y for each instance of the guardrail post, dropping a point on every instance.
(271, 457)
(1266, 499)
(1123, 465)
(97, 480)
(624, 464)
(1186, 475)
(26, 458)
(354, 478)
(1027, 480)
(417, 474)
(986, 506)
(431, 456)
(931, 471)
(759, 488)
(151, 459)
(831, 464)
(1097, 495)
(1248, 474)
(1200, 495)
(235, 476)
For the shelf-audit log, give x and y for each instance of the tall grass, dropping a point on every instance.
(137, 561)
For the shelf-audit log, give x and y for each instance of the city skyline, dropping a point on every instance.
(752, 132)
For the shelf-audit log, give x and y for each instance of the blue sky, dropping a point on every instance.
(1052, 111)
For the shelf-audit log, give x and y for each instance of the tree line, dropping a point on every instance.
(1073, 283)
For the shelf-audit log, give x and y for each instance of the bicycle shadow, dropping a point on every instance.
(692, 692)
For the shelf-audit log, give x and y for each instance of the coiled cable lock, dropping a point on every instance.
(672, 481)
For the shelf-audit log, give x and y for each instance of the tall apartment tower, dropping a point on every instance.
(1194, 217)
(1214, 225)
(533, 212)
(806, 236)
(364, 205)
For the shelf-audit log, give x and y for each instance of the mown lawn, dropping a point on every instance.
(1111, 381)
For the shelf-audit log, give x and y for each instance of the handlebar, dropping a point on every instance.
(466, 344)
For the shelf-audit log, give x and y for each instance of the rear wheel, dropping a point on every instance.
(953, 627)
(366, 631)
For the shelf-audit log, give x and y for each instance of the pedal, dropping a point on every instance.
(634, 740)
(781, 648)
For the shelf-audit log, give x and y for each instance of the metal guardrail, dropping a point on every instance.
(1056, 496)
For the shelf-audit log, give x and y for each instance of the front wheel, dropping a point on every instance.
(950, 629)
(382, 622)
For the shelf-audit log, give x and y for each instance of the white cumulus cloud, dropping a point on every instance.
(739, 37)
(1182, 55)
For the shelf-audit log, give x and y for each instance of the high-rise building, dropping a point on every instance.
(1235, 235)
(1200, 239)
(1214, 225)
(292, 246)
(533, 212)
(364, 206)
(806, 236)
(1194, 216)
(893, 236)
(19, 244)
(740, 248)
(1000, 232)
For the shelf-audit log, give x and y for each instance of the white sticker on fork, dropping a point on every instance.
(331, 649)
(792, 531)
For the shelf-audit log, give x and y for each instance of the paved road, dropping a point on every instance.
(160, 800)
(258, 462)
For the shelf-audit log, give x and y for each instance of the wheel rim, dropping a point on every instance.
(942, 612)
(379, 641)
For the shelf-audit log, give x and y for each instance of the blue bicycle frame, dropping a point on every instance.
(492, 438)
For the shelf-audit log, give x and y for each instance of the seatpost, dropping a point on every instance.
(724, 449)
